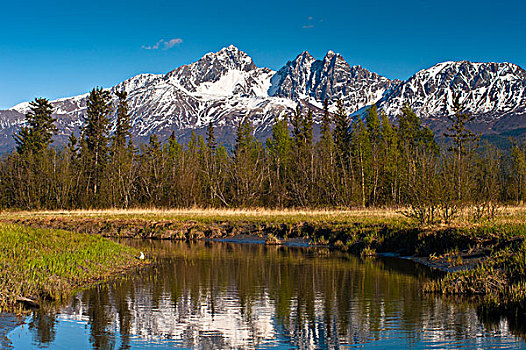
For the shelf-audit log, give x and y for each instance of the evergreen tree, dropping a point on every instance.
(325, 130)
(517, 173)
(35, 162)
(362, 151)
(37, 135)
(210, 138)
(390, 160)
(327, 177)
(122, 128)
(191, 187)
(121, 171)
(247, 169)
(279, 146)
(175, 156)
(174, 147)
(374, 132)
(342, 137)
(72, 145)
(303, 151)
(95, 134)
(151, 168)
(458, 130)
(326, 143)
(342, 147)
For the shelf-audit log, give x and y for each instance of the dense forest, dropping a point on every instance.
(363, 161)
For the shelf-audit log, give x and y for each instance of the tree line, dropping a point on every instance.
(364, 161)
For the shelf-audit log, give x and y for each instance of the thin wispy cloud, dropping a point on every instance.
(164, 44)
(309, 23)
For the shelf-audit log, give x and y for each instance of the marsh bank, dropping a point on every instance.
(486, 259)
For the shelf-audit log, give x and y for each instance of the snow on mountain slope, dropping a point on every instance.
(226, 86)
(211, 68)
(490, 91)
(332, 78)
(222, 87)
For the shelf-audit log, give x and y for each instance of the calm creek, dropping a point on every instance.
(218, 295)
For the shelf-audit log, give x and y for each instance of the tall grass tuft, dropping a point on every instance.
(49, 264)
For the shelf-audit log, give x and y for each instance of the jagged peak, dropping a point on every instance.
(212, 66)
(231, 55)
(331, 54)
(231, 47)
(447, 64)
(454, 67)
(304, 56)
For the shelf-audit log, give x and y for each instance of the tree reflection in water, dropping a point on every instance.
(225, 295)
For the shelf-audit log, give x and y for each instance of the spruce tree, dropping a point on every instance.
(342, 137)
(279, 147)
(517, 173)
(458, 130)
(326, 143)
(303, 166)
(72, 144)
(122, 170)
(325, 130)
(342, 152)
(247, 166)
(325, 162)
(390, 159)
(122, 128)
(362, 151)
(95, 132)
(37, 135)
(211, 138)
(373, 128)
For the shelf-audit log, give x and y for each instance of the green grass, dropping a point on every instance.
(361, 231)
(501, 280)
(49, 264)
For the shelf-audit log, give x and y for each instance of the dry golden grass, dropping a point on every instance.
(504, 215)
(200, 214)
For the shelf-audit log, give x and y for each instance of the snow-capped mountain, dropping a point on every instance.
(333, 78)
(226, 86)
(495, 93)
(222, 87)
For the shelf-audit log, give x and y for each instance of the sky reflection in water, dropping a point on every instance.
(226, 295)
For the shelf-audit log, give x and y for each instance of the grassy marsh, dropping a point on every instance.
(49, 264)
(477, 253)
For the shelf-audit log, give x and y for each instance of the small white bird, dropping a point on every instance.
(141, 257)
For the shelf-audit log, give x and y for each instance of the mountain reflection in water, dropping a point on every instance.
(226, 295)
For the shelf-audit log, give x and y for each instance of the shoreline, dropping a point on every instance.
(449, 249)
(39, 264)
(471, 255)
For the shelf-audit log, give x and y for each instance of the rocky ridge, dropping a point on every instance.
(226, 86)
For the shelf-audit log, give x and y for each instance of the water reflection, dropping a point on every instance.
(224, 295)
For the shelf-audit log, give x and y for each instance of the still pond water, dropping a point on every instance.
(211, 295)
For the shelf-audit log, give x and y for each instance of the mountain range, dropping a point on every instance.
(226, 86)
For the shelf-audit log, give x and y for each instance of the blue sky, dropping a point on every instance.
(61, 48)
